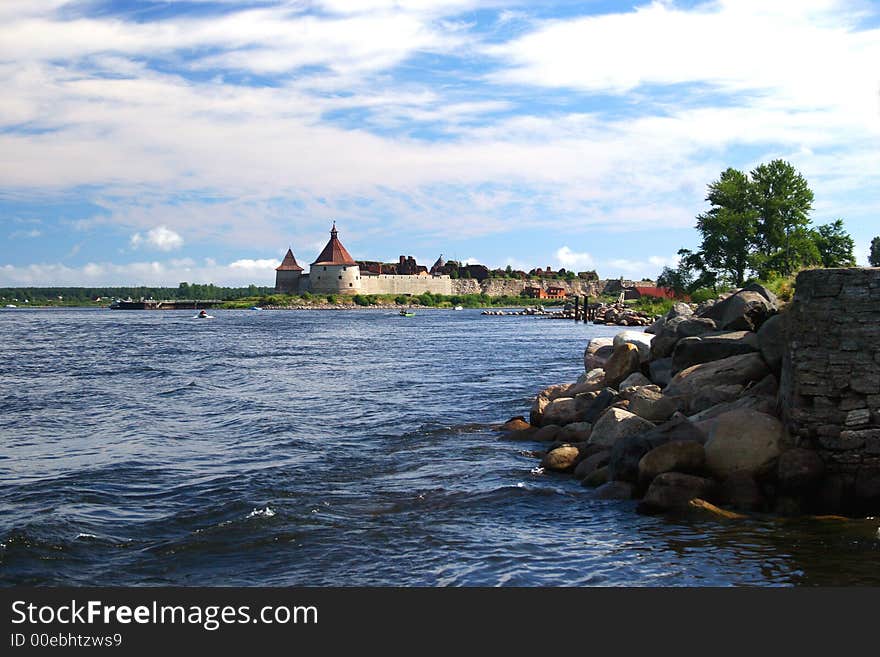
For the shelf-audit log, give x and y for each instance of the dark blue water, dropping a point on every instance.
(331, 448)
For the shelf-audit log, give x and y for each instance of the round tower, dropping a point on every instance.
(334, 271)
(288, 275)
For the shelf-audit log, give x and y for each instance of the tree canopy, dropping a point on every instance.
(874, 255)
(759, 224)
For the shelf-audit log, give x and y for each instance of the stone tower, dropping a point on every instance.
(334, 271)
(288, 275)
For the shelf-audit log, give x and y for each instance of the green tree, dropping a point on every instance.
(729, 228)
(835, 245)
(874, 255)
(783, 201)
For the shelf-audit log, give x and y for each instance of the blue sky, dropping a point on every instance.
(157, 142)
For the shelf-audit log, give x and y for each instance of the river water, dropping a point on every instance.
(357, 447)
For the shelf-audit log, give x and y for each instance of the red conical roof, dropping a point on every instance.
(289, 263)
(334, 253)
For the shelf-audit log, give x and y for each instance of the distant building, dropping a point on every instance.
(334, 271)
(551, 292)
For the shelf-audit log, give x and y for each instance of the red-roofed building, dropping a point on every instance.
(288, 275)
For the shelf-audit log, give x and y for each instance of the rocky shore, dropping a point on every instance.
(685, 415)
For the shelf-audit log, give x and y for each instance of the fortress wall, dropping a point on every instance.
(399, 284)
(830, 383)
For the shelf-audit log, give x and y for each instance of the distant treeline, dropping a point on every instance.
(78, 296)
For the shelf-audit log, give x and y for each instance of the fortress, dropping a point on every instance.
(334, 271)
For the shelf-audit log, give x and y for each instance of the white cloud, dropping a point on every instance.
(161, 238)
(25, 234)
(572, 260)
(159, 273)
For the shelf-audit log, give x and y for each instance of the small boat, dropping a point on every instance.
(11, 305)
(203, 315)
(404, 313)
(459, 308)
(254, 308)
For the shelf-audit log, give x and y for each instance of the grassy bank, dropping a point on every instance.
(366, 300)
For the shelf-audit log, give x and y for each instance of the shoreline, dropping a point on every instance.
(690, 415)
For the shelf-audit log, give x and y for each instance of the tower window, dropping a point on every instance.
(351, 285)
(340, 278)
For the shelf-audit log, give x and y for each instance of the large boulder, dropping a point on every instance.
(744, 441)
(615, 424)
(799, 469)
(597, 406)
(733, 370)
(547, 433)
(576, 432)
(561, 459)
(626, 453)
(695, 326)
(744, 311)
(686, 456)
(651, 405)
(712, 396)
(543, 398)
(674, 490)
(660, 371)
(598, 351)
(640, 339)
(695, 350)
(624, 361)
(772, 299)
(679, 309)
(591, 463)
(771, 341)
(567, 410)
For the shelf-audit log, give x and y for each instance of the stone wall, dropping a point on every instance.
(830, 384)
(496, 287)
(402, 284)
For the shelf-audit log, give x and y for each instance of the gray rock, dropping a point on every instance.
(695, 326)
(660, 371)
(679, 309)
(576, 432)
(639, 339)
(594, 462)
(695, 350)
(651, 405)
(685, 456)
(547, 433)
(634, 380)
(617, 423)
(764, 292)
(743, 311)
(602, 401)
(597, 352)
(744, 441)
(626, 453)
(734, 370)
(771, 341)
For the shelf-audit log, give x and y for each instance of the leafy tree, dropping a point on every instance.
(834, 244)
(874, 256)
(730, 227)
(783, 200)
